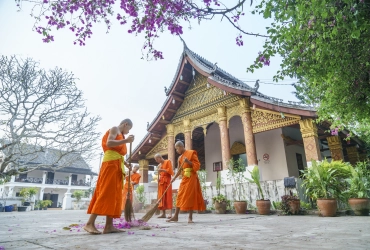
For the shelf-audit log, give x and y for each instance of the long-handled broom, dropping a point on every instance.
(129, 210)
(152, 211)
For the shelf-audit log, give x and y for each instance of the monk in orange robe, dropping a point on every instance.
(107, 198)
(165, 172)
(135, 178)
(189, 196)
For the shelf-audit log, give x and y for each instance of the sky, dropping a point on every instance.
(116, 82)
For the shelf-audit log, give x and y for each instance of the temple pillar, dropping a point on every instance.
(171, 144)
(143, 170)
(310, 140)
(187, 134)
(250, 145)
(353, 156)
(335, 147)
(224, 135)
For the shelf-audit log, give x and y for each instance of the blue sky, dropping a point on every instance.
(116, 82)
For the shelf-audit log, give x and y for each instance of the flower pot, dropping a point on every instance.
(360, 206)
(36, 208)
(2, 209)
(138, 206)
(220, 207)
(45, 208)
(327, 207)
(26, 203)
(263, 207)
(8, 208)
(240, 207)
(294, 206)
(22, 209)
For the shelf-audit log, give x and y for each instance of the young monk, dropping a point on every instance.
(189, 196)
(135, 178)
(107, 198)
(165, 172)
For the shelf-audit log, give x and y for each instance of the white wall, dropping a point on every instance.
(236, 131)
(292, 150)
(271, 143)
(212, 144)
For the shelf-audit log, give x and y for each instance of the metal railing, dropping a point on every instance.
(29, 180)
(80, 183)
(56, 182)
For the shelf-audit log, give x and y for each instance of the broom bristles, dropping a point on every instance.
(150, 213)
(128, 210)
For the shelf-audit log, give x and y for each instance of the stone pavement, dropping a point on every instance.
(44, 230)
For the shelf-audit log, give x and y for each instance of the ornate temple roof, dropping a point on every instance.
(190, 62)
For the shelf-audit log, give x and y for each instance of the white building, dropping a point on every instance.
(52, 184)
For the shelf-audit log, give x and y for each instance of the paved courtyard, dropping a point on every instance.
(44, 230)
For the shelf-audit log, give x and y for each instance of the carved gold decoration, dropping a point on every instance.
(170, 129)
(235, 110)
(352, 155)
(237, 148)
(187, 126)
(143, 164)
(222, 116)
(263, 120)
(201, 101)
(204, 121)
(161, 148)
(308, 128)
(244, 104)
(287, 138)
(179, 128)
(334, 142)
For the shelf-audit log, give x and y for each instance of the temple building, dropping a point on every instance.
(223, 118)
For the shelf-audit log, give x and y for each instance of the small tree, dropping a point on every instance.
(236, 175)
(255, 178)
(43, 119)
(202, 175)
(140, 193)
(78, 194)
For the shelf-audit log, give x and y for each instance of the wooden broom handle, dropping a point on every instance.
(129, 172)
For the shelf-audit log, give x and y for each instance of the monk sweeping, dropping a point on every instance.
(165, 172)
(107, 198)
(135, 178)
(189, 196)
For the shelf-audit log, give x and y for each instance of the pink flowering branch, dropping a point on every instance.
(147, 17)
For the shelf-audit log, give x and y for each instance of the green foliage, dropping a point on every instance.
(140, 193)
(32, 191)
(28, 193)
(359, 181)
(305, 205)
(202, 176)
(37, 204)
(285, 202)
(218, 184)
(219, 198)
(326, 45)
(326, 180)
(236, 175)
(255, 178)
(276, 205)
(45, 203)
(78, 194)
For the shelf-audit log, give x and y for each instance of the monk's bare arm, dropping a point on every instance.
(112, 142)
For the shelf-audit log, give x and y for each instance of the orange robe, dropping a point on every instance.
(164, 181)
(134, 178)
(107, 198)
(189, 196)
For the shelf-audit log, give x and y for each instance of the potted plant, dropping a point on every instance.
(202, 176)
(78, 194)
(32, 191)
(140, 197)
(25, 196)
(45, 203)
(290, 204)
(325, 183)
(37, 205)
(219, 201)
(359, 189)
(263, 206)
(236, 175)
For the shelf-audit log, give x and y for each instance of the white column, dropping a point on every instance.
(67, 201)
(44, 177)
(70, 180)
(12, 178)
(41, 196)
(10, 193)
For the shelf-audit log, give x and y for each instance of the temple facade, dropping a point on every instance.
(223, 118)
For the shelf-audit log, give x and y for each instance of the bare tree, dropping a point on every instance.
(43, 119)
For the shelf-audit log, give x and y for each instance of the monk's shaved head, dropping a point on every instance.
(127, 121)
(179, 144)
(157, 155)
